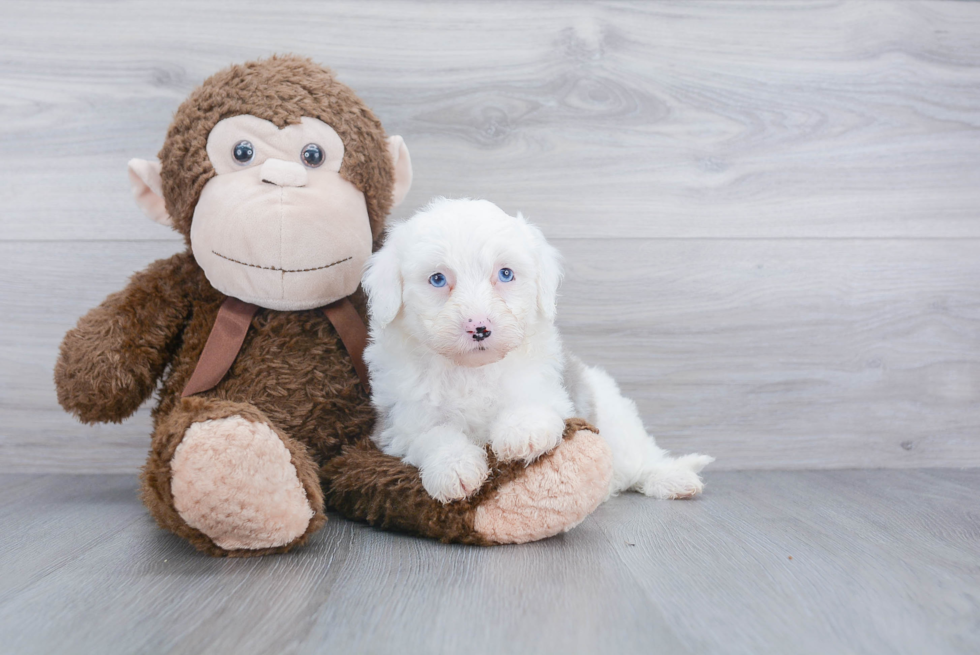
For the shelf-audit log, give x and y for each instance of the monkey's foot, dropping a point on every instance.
(517, 504)
(234, 480)
(553, 495)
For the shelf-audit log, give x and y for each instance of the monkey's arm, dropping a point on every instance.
(110, 362)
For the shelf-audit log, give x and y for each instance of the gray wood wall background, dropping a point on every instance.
(770, 211)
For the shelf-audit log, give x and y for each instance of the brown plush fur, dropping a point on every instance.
(110, 362)
(292, 371)
(156, 476)
(280, 90)
(365, 485)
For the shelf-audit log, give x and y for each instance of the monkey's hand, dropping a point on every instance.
(110, 362)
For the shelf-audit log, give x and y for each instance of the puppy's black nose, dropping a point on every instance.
(481, 334)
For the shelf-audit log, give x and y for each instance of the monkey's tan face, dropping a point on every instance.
(278, 226)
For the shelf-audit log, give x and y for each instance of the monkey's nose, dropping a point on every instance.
(283, 173)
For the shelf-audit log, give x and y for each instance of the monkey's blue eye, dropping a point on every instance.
(505, 275)
(243, 152)
(437, 280)
(312, 155)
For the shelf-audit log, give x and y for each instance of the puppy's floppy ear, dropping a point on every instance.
(549, 272)
(383, 283)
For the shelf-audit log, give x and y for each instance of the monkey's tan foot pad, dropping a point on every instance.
(234, 480)
(555, 493)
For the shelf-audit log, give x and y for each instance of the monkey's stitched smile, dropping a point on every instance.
(282, 270)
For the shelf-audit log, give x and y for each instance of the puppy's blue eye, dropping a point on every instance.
(437, 280)
(505, 275)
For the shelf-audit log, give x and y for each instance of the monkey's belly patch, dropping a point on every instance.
(283, 270)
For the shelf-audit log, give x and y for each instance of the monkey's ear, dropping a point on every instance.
(144, 179)
(403, 169)
(382, 282)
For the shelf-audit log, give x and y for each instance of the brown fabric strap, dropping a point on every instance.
(348, 324)
(223, 344)
(231, 326)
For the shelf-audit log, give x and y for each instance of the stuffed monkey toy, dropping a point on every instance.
(279, 179)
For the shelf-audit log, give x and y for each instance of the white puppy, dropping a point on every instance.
(464, 352)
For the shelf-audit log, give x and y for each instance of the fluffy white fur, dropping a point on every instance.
(444, 389)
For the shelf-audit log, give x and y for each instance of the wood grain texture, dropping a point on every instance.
(773, 562)
(769, 210)
(802, 118)
(765, 354)
(788, 354)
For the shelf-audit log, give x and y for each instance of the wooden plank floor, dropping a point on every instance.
(766, 562)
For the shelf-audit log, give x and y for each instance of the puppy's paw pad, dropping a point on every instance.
(455, 473)
(671, 482)
(526, 435)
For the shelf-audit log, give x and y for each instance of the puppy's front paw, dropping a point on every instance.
(526, 433)
(455, 471)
